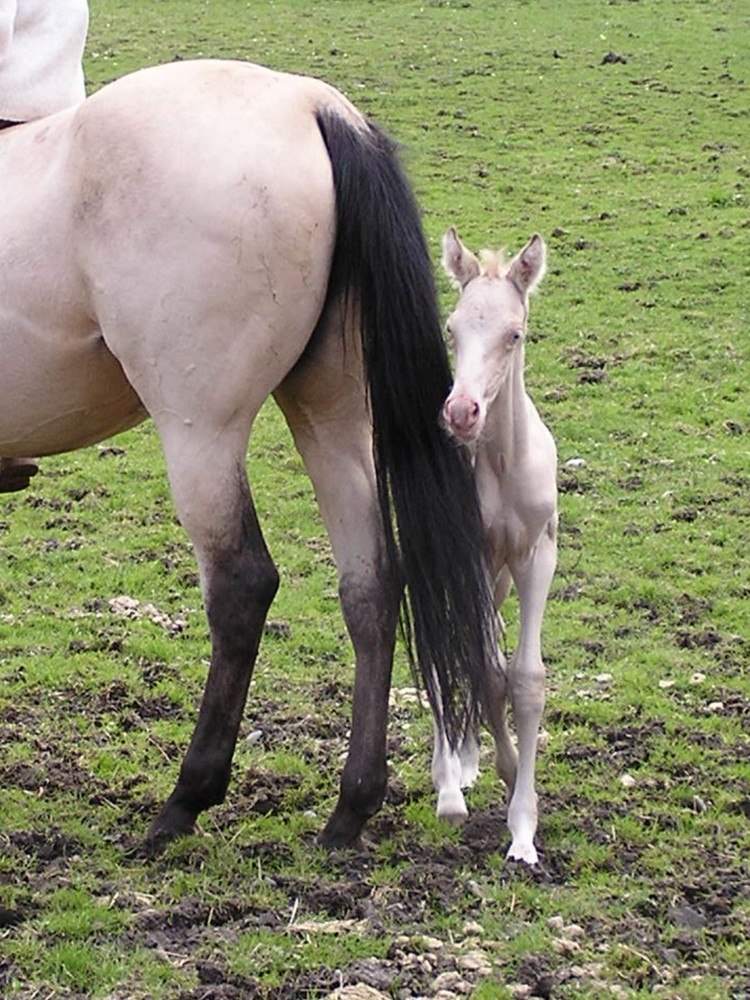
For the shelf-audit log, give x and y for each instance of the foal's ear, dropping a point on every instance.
(527, 269)
(460, 264)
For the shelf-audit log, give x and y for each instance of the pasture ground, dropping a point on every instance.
(620, 132)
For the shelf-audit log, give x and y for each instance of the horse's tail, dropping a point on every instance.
(381, 261)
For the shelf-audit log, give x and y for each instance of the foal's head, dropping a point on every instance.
(487, 327)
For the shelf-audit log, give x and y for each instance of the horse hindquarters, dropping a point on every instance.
(207, 295)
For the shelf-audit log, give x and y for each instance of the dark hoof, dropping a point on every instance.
(9, 918)
(358, 844)
(16, 473)
(340, 835)
(171, 823)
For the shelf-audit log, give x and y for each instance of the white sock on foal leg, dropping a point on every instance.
(447, 779)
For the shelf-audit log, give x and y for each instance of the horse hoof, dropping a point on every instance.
(171, 823)
(341, 842)
(16, 474)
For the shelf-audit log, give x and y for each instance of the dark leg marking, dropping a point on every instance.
(240, 583)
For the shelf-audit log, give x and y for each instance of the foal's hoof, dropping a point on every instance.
(16, 473)
(451, 808)
(523, 851)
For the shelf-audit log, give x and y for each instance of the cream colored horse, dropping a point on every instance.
(190, 240)
(515, 459)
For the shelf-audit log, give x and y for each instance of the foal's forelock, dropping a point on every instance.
(495, 263)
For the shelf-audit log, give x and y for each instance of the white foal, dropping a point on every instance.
(489, 411)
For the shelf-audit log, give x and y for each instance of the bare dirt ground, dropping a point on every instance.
(697, 903)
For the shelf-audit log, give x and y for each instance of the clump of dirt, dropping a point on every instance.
(39, 848)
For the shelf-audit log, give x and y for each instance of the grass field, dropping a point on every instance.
(619, 131)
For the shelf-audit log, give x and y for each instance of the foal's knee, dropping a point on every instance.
(527, 692)
(527, 684)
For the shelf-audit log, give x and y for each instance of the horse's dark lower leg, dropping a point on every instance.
(16, 473)
(370, 611)
(239, 584)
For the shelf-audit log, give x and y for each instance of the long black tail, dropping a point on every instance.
(382, 262)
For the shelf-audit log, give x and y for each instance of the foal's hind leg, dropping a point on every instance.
(452, 771)
(324, 403)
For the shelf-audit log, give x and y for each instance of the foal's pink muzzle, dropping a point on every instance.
(462, 416)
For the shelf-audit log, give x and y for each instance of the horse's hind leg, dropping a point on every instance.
(239, 581)
(324, 403)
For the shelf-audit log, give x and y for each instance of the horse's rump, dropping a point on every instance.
(165, 215)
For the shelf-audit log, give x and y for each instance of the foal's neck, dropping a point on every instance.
(506, 434)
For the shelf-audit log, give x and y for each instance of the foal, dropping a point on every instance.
(515, 464)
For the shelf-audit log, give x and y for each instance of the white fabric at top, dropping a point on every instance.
(41, 47)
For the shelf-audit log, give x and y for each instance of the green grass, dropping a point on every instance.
(636, 174)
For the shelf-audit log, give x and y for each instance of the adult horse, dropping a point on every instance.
(190, 240)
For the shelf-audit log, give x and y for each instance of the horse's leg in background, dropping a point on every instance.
(16, 473)
(324, 403)
(239, 581)
(526, 683)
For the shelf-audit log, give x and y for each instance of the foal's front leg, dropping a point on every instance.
(526, 678)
